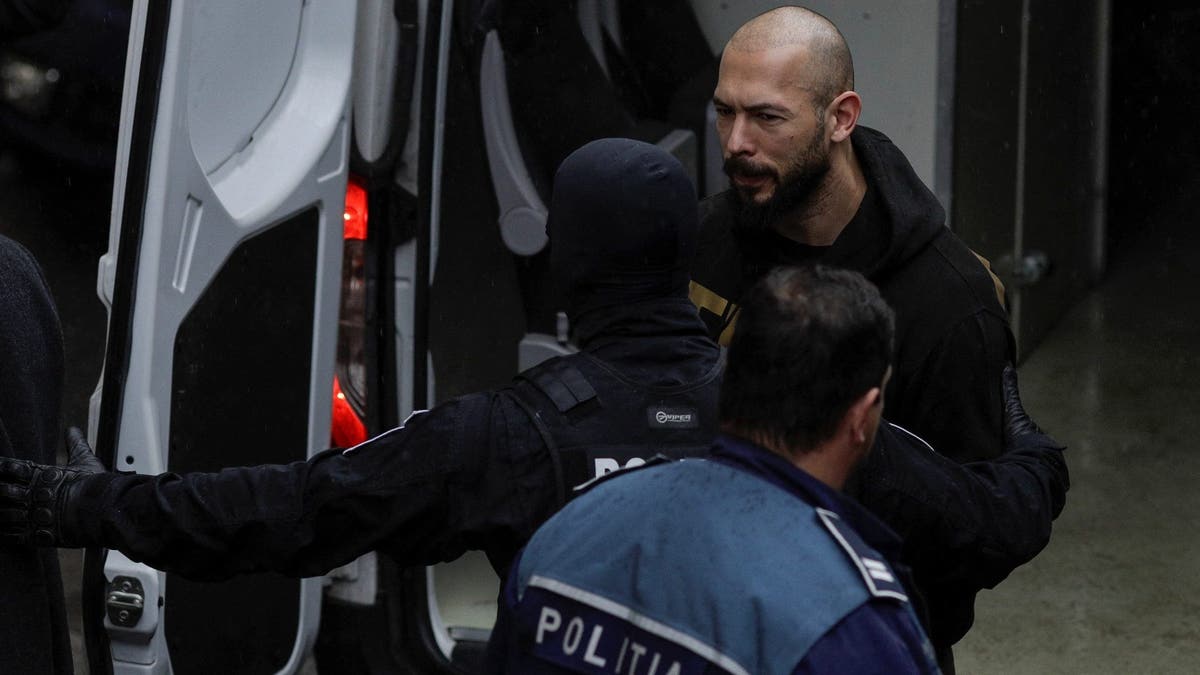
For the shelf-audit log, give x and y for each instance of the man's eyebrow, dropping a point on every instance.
(757, 107)
(767, 107)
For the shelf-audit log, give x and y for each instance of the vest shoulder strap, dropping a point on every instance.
(561, 382)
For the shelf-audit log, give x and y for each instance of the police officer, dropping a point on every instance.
(750, 561)
(482, 471)
(479, 472)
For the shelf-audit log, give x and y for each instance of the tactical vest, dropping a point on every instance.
(692, 567)
(594, 420)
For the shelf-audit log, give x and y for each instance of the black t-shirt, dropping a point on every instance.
(856, 248)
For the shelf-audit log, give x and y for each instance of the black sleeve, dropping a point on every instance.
(18, 17)
(423, 493)
(967, 524)
(952, 398)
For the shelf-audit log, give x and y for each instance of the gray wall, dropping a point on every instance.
(1030, 138)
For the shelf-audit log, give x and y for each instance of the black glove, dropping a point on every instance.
(1017, 422)
(34, 497)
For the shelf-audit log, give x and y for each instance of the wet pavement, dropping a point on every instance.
(1117, 589)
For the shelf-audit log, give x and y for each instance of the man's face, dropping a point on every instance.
(772, 132)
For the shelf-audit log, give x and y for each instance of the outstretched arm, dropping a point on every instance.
(974, 522)
(421, 494)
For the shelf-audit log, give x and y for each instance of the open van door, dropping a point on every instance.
(222, 279)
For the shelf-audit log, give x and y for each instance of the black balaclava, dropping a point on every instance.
(623, 224)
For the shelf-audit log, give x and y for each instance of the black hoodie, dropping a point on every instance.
(952, 335)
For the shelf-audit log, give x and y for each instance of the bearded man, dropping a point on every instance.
(809, 184)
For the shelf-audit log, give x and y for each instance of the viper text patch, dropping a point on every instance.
(667, 417)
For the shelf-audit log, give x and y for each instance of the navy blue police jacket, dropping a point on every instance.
(741, 563)
(474, 473)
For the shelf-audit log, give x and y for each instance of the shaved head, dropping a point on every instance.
(832, 70)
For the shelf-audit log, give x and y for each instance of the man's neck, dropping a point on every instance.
(821, 220)
(827, 463)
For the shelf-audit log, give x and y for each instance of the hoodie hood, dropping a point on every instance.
(913, 216)
(623, 224)
(31, 359)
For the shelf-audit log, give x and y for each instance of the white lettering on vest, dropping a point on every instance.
(638, 651)
(603, 465)
(549, 621)
(590, 656)
(573, 635)
(621, 656)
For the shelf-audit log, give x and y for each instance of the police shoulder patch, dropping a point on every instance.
(878, 576)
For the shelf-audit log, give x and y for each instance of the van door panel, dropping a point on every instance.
(222, 280)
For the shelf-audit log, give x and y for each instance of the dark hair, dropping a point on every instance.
(809, 342)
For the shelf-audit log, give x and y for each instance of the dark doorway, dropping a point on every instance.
(1155, 141)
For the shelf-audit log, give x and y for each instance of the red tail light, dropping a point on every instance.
(350, 381)
(348, 428)
(355, 217)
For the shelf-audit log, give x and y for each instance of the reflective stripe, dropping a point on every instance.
(922, 440)
(389, 432)
(641, 621)
(831, 519)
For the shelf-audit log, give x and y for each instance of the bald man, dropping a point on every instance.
(809, 184)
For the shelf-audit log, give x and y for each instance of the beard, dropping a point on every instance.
(793, 189)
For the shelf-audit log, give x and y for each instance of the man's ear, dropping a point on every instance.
(842, 115)
(859, 418)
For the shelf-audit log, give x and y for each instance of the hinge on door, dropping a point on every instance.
(125, 601)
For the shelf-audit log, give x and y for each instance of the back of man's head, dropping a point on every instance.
(623, 224)
(809, 342)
